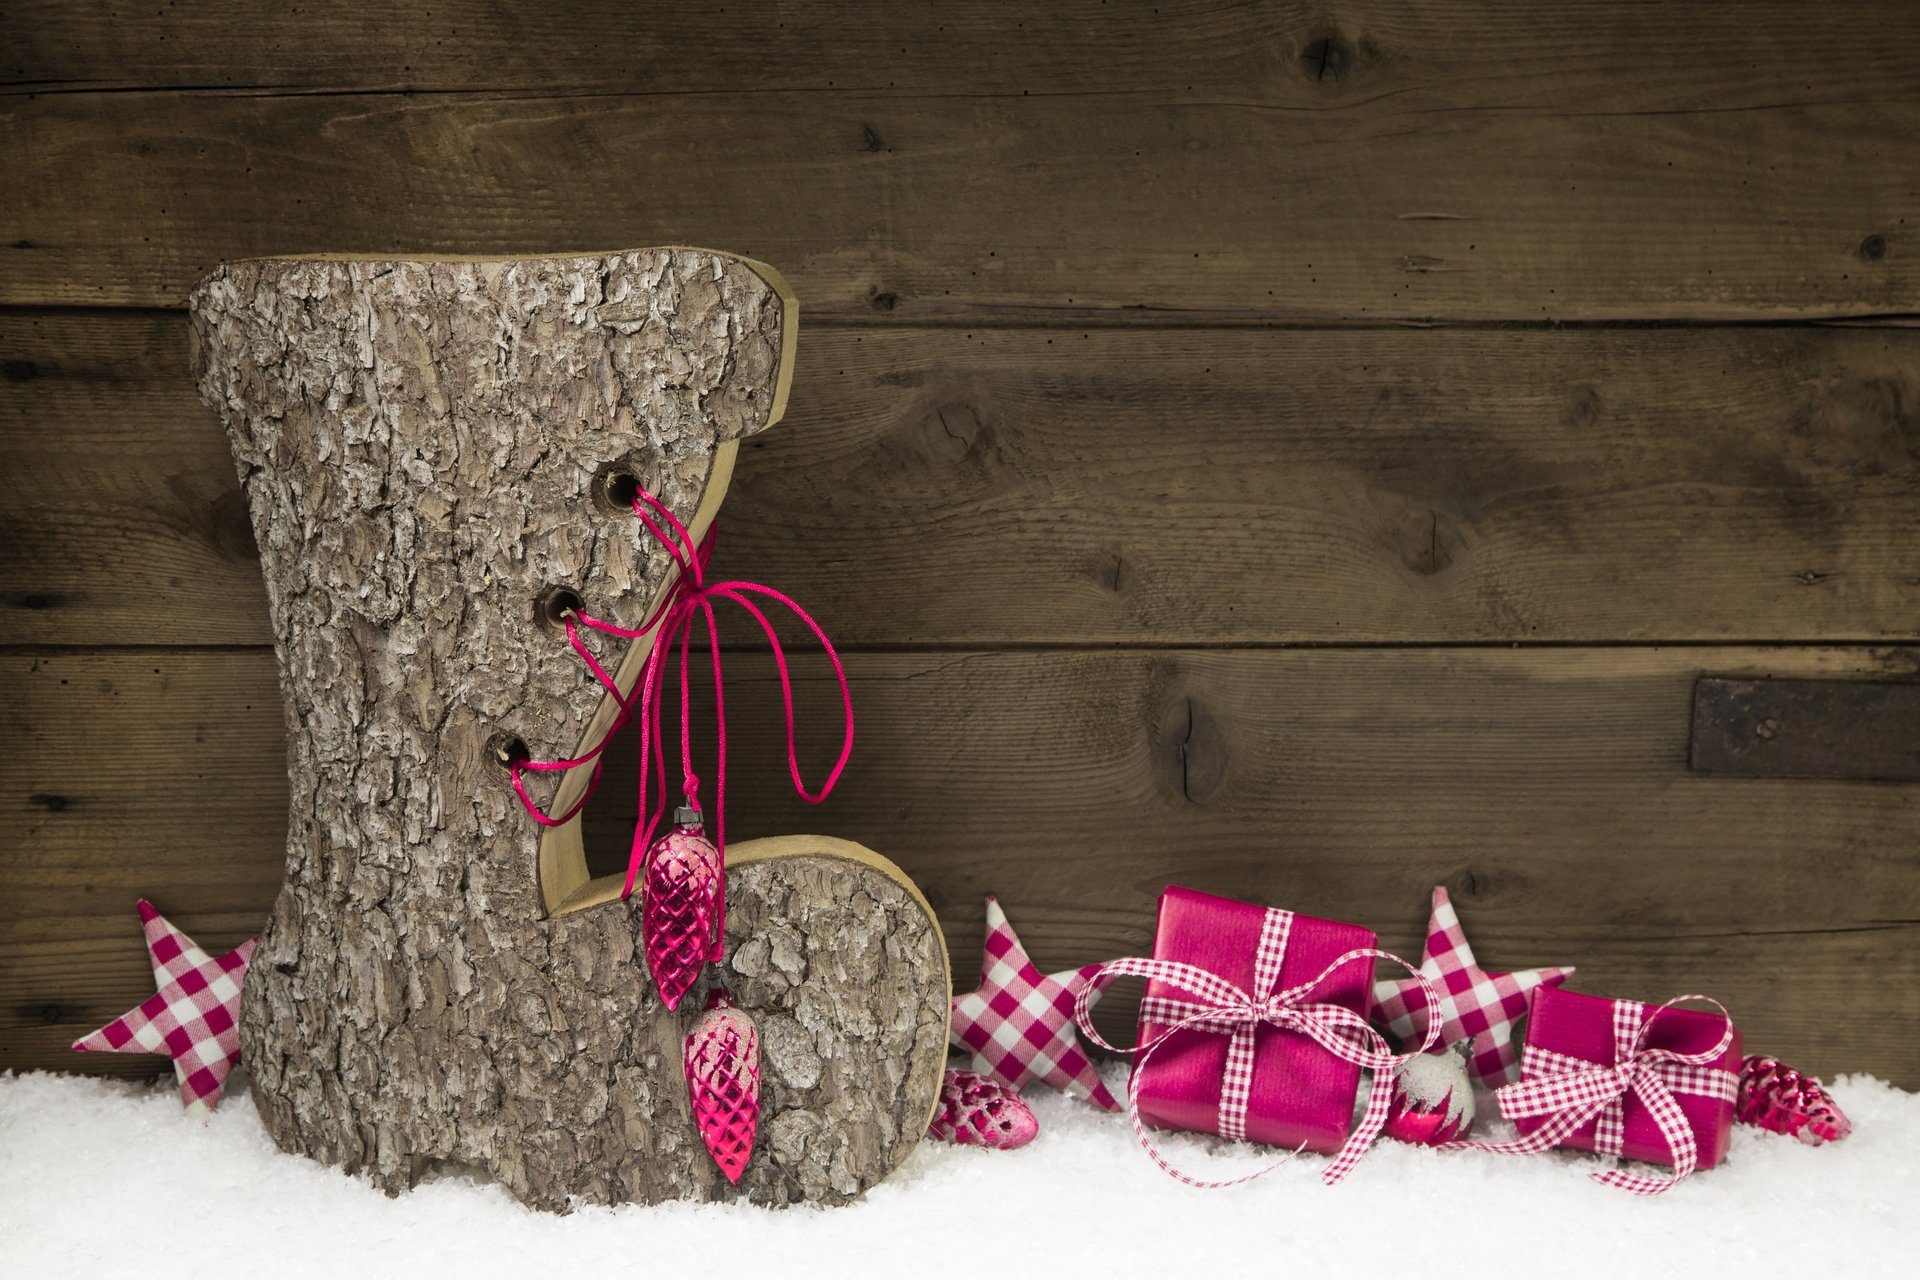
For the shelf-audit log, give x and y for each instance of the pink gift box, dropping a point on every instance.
(1301, 1093)
(1582, 1027)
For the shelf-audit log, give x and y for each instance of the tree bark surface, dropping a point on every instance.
(420, 444)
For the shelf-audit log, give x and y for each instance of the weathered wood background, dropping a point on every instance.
(1308, 452)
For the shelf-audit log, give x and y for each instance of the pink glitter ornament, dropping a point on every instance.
(681, 900)
(723, 1083)
(1773, 1095)
(978, 1112)
(1432, 1100)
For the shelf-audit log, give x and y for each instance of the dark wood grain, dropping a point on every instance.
(1383, 203)
(137, 518)
(1807, 729)
(1735, 54)
(83, 839)
(938, 486)
(1047, 472)
(1550, 788)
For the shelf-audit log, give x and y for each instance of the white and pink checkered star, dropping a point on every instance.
(1019, 1024)
(194, 1018)
(1475, 1005)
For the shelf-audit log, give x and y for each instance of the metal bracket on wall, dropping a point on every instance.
(1852, 729)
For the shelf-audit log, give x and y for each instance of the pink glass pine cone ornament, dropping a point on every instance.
(681, 900)
(1775, 1096)
(681, 876)
(723, 1083)
(976, 1111)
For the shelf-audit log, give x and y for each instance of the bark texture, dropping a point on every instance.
(418, 442)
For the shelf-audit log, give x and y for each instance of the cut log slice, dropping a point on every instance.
(436, 456)
(576, 1094)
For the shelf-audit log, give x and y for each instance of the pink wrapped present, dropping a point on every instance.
(1651, 1083)
(1254, 1026)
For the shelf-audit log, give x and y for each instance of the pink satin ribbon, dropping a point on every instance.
(1573, 1092)
(690, 598)
(1221, 1007)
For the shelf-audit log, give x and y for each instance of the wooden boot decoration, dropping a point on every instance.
(438, 456)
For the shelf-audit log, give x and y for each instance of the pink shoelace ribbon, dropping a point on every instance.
(689, 599)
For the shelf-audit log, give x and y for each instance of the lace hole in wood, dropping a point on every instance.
(552, 607)
(615, 487)
(506, 750)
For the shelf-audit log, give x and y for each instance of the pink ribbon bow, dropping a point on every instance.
(690, 598)
(1572, 1092)
(1220, 1007)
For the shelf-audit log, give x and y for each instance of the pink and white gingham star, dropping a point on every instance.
(1019, 1024)
(1475, 1005)
(194, 1018)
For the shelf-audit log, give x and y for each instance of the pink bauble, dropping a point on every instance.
(722, 1062)
(1432, 1100)
(680, 905)
(977, 1112)
(1773, 1095)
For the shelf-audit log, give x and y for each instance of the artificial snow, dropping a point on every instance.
(105, 1179)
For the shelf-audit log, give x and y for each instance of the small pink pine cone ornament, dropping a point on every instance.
(1432, 1100)
(1773, 1095)
(681, 898)
(975, 1111)
(723, 1083)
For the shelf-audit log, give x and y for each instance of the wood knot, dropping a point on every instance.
(1192, 749)
(1874, 247)
(51, 803)
(1429, 546)
(1470, 883)
(949, 433)
(22, 370)
(1327, 59)
(883, 300)
(1584, 409)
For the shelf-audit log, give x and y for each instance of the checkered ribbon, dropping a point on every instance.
(1572, 1092)
(1220, 1007)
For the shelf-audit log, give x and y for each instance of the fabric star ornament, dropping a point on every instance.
(1019, 1024)
(194, 1018)
(1476, 1007)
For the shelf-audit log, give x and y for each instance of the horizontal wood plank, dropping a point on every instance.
(1737, 53)
(1550, 789)
(1382, 196)
(939, 486)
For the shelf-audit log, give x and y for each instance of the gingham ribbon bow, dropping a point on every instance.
(1572, 1092)
(1220, 1007)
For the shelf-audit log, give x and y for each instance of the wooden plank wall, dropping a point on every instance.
(1308, 452)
